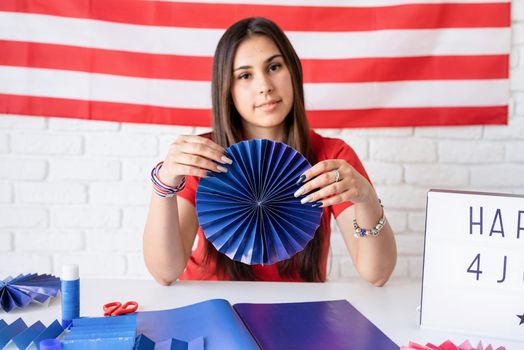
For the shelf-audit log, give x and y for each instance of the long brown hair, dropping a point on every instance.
(227, 130)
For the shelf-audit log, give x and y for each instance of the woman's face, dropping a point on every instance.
(261, 87)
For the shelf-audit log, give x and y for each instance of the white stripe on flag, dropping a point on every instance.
(187, 94)
(434, 93)
(202, 42)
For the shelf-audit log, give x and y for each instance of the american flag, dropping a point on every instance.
(367, 63)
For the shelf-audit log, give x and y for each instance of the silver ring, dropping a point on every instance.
(337, 175)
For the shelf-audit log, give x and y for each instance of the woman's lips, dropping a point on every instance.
(269, 105)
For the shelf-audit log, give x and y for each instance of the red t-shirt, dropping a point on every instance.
(324, 148)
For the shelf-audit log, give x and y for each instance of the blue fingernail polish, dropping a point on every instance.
(301, 179)
(317, 204)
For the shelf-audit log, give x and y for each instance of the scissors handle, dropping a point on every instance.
(127, 308)
(116, 308)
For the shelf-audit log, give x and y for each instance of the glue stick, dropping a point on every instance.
(70, 294)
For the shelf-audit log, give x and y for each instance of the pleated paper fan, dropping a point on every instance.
(20, 291)
(250, 213)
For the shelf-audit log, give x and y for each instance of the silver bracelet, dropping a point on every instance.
(362, 232)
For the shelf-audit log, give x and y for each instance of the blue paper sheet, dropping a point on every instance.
(214, 320)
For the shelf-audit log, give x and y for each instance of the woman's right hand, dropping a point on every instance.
(193, 156)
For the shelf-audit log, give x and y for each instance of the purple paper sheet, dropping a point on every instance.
(330, 325)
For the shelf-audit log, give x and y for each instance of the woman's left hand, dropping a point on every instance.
(336, 181)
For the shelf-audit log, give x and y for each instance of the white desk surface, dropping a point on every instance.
(392, 308)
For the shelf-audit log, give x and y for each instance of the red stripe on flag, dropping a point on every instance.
(423, 116)
(84, 59)
(294, 18)
(121, 112)
(381, 69)
(98, 110)
(35, 55)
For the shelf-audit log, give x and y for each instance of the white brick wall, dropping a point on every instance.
(77, 191)
(84, 169)
(46, 143)
(90, 216)
(6, 193)
(470, 152)
(22, 216)
(6, 241)
(4, 143)
(18, 169)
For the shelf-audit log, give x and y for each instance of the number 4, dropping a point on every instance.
(476, 262)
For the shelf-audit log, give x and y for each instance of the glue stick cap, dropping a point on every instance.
(50, 344)
(70, 272)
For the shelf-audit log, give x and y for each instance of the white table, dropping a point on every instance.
(392, 308)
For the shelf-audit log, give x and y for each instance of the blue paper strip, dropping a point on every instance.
(129, 320)
(100, 333)
(144, 343)
(7, 333)
(3, 324)
(23, 339)
(100, 343)
(177, 344)
(51, 332)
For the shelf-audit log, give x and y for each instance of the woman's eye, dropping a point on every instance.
(273, 67)
(244, 76)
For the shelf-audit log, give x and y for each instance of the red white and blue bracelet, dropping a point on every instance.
(363, 232)
(161, 188)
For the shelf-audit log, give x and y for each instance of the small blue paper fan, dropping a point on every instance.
(250, 213)
(23, 289)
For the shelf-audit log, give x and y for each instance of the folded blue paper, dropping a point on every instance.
(22, 336)
(10, 331)
(24, 339)
(309, 325)
(215, 321)
(250, 213)
(23, 289)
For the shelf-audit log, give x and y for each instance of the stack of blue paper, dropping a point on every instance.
(111, 333)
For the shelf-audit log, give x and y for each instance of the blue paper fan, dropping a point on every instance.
(250, 213)
(23, 289)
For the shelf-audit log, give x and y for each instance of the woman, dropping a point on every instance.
(257, 92)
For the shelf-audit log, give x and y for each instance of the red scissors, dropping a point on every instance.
(117, 308)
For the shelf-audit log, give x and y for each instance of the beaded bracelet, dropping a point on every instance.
(362, 232)
(161, 188)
